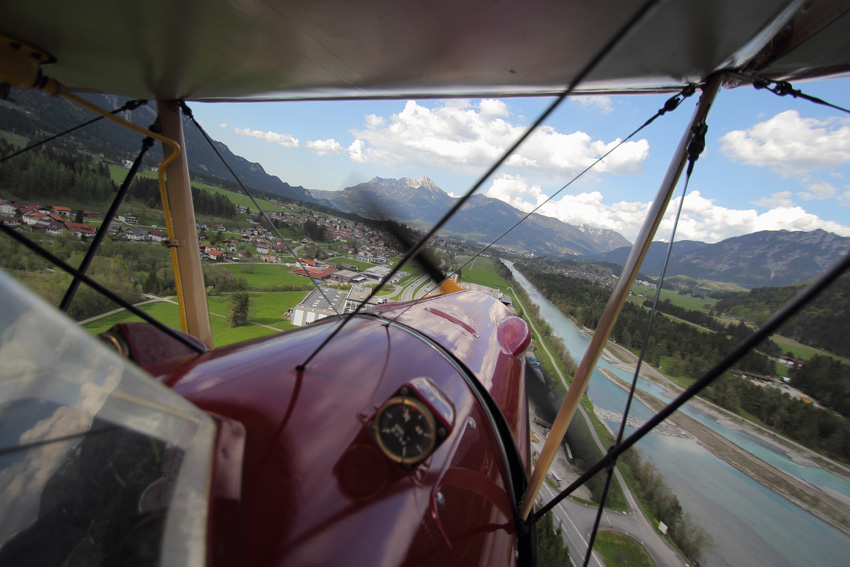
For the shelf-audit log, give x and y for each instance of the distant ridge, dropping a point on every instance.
(421, 202)
(34, 115)
(768, 258)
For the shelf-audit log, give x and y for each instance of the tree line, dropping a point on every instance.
(693, 349)
(822, 324)
(691, 352)
(663, 504)
(657, 497)
(695, 317)
(51, 174)
(209, 203)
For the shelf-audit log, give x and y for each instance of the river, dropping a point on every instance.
(749, 523)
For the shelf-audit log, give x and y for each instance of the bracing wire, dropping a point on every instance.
(793, 306)
(129, 105)
(671, 104)
(695, 148)
(104, 227)
(98, 288)
(188, 112)
(768, 328)
(784, 88)
(609, 46)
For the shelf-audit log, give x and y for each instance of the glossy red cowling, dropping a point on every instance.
(316, 488)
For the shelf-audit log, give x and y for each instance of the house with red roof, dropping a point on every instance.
(314, 273)
(79, 229)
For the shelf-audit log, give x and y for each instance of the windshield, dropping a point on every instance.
(99, 464)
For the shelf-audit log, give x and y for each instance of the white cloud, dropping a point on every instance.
(515, 191)
(324, 147)
(780, 199)
(285, 140)
(465, 137)
(356, 151)
(598, 102)
(493, 107)
(819, 190)
(702, 219)
(222, 125)
(791, 145)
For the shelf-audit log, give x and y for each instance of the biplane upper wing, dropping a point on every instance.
(225, 49)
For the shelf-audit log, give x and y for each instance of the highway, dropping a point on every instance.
(577, 519)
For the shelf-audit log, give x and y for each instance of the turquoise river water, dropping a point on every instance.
(749, 523)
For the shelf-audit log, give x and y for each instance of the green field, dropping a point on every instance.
(802, 351)
(642, 293)
(622, 550)
(265, 309)
(344, 260)
(482, 271)
(266, 276)
(118, 173)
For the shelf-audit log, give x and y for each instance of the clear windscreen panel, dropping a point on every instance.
(99, 464)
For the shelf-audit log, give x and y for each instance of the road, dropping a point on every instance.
(578, 519)
(407, 294)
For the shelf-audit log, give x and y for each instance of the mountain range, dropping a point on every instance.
(768, 258)
(36, 115)
(421, 203)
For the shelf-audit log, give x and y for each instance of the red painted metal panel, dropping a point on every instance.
(315, 487)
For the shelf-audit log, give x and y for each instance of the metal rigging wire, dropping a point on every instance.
(147, 143)
(188, 112)
(669, 106)
(79, 275)
(99, 288)
(695, 148)
(129, 105)
(609, 46)
(607, 462)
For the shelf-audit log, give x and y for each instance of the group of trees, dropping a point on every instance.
(691, 352)
(822, 324)
(54, 175)
(124, 268)
(208, 203)
(663, 504)
(694, 350)
(827, 380)
(818, 429)
(695, 317)
(551, 549)
(312, 229)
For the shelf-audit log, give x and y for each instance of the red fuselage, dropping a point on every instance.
(315, 486)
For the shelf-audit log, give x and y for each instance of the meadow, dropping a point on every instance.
(266, 310)
(266, 276)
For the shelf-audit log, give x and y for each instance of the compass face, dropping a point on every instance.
(405, 430)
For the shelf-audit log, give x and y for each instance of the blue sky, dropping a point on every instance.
(770, 163)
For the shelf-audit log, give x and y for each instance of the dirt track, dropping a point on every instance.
(830, 507)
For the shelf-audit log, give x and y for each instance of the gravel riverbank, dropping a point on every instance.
(826, 504)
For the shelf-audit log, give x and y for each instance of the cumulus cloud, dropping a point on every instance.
(791, 145)
(600, 103)
(780, 199)
(702, 219)
(515, 191)
(818, 190)
(222, 125)
(285, 140)
(324, 147)
(466, 137)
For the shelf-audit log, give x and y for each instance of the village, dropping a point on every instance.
(350, 281)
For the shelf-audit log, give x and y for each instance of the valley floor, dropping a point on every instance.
(826, 504)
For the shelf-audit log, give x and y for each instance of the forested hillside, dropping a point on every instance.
(688, 351)
(821, 325)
